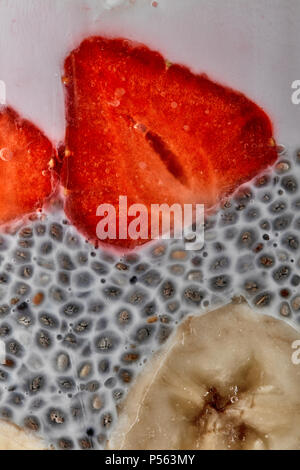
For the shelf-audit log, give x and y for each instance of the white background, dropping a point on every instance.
(250, 45)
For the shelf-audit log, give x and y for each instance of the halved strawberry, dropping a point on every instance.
(26, 156)
(154, 132)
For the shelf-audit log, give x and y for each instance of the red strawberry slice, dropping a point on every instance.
(26, 156)
(154, 132)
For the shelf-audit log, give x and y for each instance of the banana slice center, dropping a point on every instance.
(221, 423)
(226, 380)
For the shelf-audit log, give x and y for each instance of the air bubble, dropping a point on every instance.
(6, 155)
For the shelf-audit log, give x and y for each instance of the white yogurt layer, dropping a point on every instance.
(252, 47)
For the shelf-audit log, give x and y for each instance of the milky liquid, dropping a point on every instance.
(78, 323)
(254, 49)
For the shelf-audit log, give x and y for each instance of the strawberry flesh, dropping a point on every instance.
(26, 156)
(154, 132)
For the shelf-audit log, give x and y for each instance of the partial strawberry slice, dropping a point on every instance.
(26, 158)
(156, 133)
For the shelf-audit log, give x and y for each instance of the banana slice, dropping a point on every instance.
(225, 380)
(14, 438)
